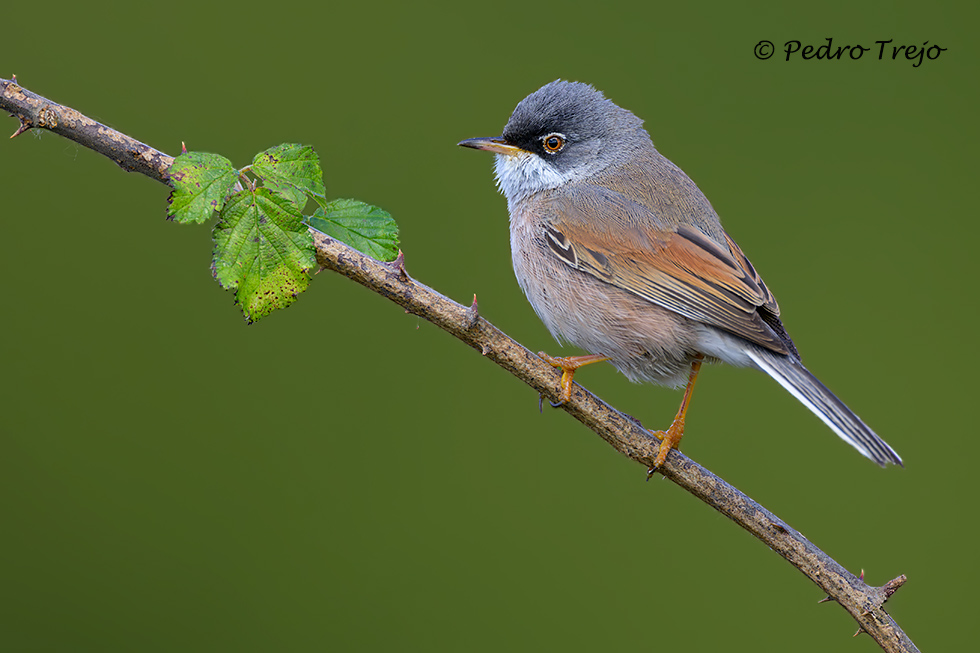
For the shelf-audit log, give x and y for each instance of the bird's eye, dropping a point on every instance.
(553, 143)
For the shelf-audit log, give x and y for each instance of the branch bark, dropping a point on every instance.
(863, 602)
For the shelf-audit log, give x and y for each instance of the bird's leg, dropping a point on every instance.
(568, 365)
(670, 438)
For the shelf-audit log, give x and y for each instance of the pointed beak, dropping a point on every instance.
(495, 144)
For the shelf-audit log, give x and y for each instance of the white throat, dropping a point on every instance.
(521, 175)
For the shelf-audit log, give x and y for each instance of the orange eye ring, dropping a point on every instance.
(553, 143)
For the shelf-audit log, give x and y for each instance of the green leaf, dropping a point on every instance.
(366, 228)
(292, 170)
(201, 182)
(262, 249)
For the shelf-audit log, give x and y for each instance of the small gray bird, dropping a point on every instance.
(622, 255)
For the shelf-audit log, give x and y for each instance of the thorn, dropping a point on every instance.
(892, 586)
(861, 577)
(399, 265)
(825, 599)
(472, 314)
(779, 527)
(860, 630)
(20, 130)
(183, 147)
(13, 78)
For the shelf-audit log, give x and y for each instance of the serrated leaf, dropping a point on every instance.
(366, 228)
(201, 182)
(291, 169)
(262, 249)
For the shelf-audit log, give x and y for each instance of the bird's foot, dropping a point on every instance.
(669, 439)
(568, 365)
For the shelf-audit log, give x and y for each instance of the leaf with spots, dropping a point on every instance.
(366, 228)
(263, 251)
(292, 170)
(201, 182)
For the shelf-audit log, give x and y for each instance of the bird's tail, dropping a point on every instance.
(814, 395)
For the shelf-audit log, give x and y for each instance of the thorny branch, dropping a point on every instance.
(390, 280)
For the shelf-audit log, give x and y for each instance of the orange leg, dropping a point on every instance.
(568, 365)
(670, 438)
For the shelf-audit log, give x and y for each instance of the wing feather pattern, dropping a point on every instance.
(675, 266)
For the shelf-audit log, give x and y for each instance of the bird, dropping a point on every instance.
(620, 254)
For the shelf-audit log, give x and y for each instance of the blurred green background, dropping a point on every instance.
(345, 477)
